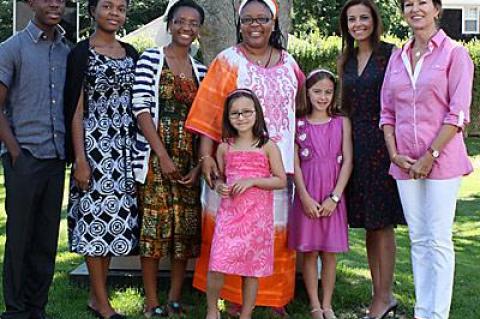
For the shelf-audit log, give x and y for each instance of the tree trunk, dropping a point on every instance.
(219, 29)
(285, 17)
(220, 32)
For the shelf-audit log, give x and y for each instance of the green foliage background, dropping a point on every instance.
(6, 14)
(316, 21)
(319, 51)
(140, 12)
(322, 16)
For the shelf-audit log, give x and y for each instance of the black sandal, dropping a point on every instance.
(94, 312)
(156, 312)
(175, 308)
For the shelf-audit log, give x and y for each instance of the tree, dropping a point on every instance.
(6, 13)
(219, 31)
(322, 16)
(140, 12)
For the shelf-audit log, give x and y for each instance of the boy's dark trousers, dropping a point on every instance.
(34, 192)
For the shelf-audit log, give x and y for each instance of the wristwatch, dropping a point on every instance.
(334, 197)
(434, 152)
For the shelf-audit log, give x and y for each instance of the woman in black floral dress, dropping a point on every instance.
(373, 201)
(102, 207)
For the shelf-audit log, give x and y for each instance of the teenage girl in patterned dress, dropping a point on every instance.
(102, 208)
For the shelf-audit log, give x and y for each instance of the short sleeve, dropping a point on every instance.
(8, 53)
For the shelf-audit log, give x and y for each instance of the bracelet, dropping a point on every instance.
(202, 158)
(334, 197)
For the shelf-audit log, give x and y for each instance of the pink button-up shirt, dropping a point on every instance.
(417, 103)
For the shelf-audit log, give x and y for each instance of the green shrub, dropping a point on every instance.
(474, 49)
(317, 51)
(141, 43)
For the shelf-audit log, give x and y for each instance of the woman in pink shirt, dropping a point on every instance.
(426, 98)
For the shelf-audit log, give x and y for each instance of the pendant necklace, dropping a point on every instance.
(260, 62)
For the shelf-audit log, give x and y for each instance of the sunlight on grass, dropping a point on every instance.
(129, 300)
(353, 291)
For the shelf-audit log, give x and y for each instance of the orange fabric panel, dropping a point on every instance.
(274, 291)
(206, 113)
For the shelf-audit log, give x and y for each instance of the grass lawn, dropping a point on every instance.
(67, 301)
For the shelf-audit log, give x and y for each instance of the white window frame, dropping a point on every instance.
(464, 17)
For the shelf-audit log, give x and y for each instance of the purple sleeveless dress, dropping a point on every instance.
(320, 151)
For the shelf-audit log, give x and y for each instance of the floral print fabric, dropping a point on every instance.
(171, 212)
(243, 239)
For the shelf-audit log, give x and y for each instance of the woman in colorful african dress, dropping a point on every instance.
(258, 63)
(166, 164)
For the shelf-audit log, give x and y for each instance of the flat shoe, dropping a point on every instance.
(94, 312)
(316, 311)
(329, 314)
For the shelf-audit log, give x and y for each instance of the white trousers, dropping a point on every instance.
(429, 208)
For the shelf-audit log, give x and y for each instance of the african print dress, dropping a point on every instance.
(276, 88)
(171, 212)
(103, 220)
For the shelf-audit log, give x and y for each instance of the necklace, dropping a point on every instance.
(179, 67)
(260, 61)
(418, 50)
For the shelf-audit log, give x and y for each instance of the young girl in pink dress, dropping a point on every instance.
(323, 164)
(252, 167)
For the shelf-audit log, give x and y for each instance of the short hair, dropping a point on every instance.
(276, 38)
(436, 3)
(185, 3)
(94, 3)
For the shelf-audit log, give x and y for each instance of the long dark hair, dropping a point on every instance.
(348, 42)
(259, 129)
(184, 3)
(304, 105)
(276, 38)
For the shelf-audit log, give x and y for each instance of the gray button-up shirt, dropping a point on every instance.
(33, 69)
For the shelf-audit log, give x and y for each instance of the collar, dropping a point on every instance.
(36, 34)
(435, 41)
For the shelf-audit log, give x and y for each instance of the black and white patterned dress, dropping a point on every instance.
(103, 221)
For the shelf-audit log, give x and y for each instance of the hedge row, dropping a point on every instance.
(319, 51)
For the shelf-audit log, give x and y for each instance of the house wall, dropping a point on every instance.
(454, 17)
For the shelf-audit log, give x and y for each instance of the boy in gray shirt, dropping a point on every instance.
(32, 130)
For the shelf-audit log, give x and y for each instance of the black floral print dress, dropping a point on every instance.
(373, 200)
(103, 221)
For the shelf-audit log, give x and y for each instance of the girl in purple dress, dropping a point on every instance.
(323, 164)
(244, 233)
